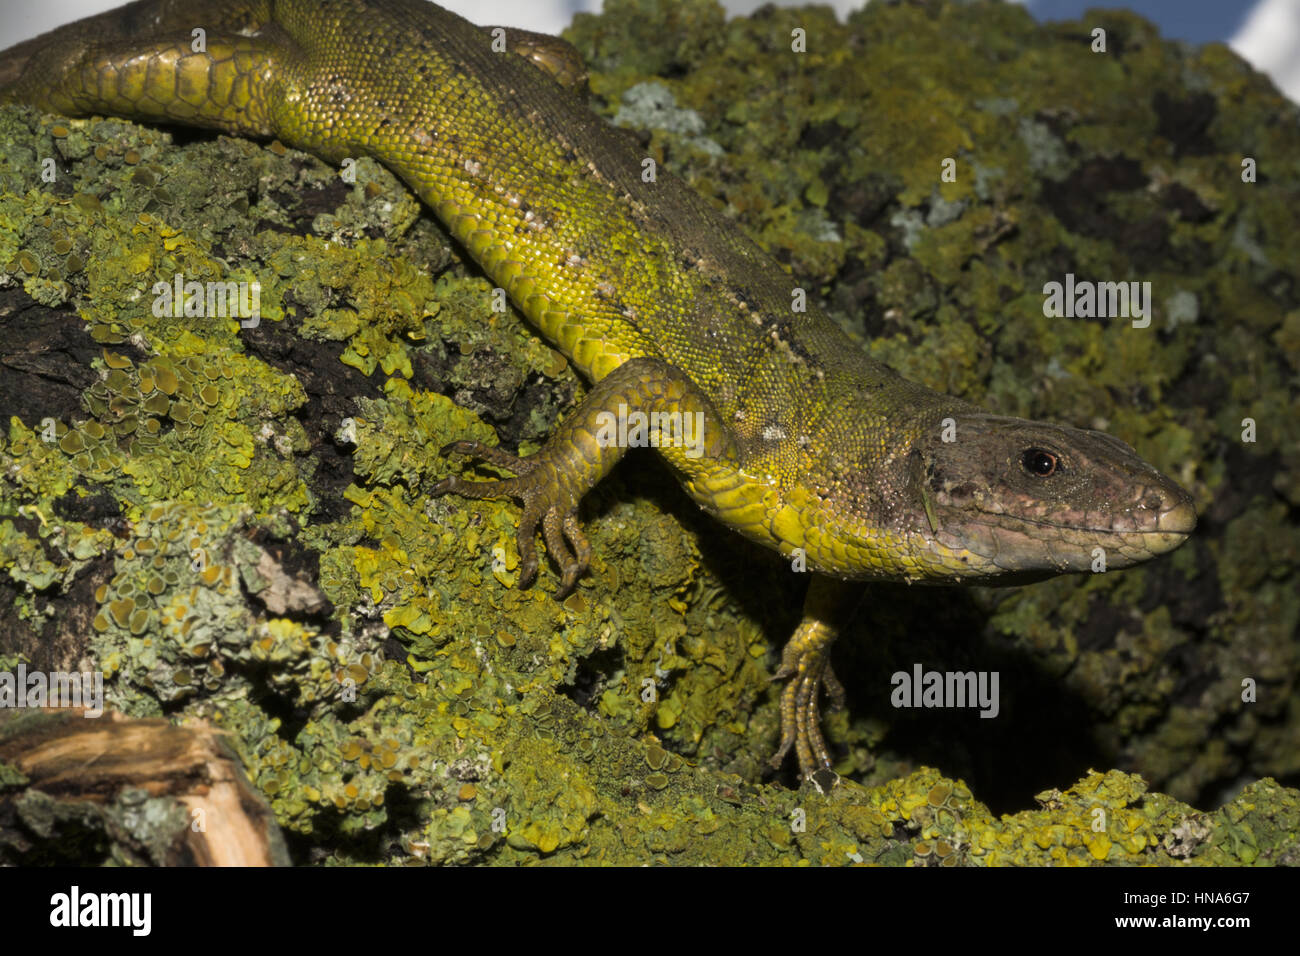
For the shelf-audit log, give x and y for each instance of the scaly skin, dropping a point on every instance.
(809, 446)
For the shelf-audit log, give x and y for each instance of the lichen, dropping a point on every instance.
(410, 703)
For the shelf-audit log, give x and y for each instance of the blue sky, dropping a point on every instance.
(1197, 21)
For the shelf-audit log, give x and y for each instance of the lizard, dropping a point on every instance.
(801, 441)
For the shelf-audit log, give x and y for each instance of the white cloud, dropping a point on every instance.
(1270, 41)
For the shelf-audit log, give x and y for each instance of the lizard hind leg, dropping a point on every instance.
(805, 662)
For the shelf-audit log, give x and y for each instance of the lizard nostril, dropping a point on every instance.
(1179, 519)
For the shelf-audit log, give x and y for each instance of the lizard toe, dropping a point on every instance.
(581, 546)
(834, 689)
(476, 450)
(553, 535)
(524, 542)
(807, 668)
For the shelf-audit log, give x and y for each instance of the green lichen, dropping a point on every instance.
(399, 699)
(1118, 166)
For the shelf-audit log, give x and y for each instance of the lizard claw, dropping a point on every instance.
(806, 664)
(547, 502)
(807, 669)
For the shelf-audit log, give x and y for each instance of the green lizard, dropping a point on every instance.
(806, 444)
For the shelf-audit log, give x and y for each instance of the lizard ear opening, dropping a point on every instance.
(919, 487)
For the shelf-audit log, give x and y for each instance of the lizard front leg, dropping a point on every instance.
(678, 419)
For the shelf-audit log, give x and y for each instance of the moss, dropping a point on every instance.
(268, 559)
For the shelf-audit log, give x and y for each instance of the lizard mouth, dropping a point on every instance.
(993, 543)
(1178, 520)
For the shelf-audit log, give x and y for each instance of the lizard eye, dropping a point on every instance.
(1039, 463)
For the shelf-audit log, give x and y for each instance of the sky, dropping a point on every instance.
(1264, 32)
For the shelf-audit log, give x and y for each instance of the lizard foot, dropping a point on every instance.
(806, 663)
(808, 669)
(548, 500)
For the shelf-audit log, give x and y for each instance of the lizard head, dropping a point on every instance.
(1010, 498)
